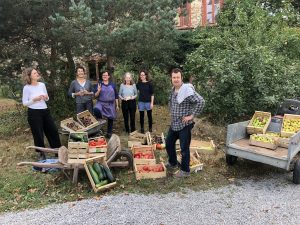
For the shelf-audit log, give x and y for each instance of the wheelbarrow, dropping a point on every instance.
(116, 157)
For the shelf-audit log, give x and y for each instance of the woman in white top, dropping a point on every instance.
(128, 94)
(40, 121)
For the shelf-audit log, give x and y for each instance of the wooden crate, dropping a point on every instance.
(87, 114)
(262, 144)
(76, 128)
(143, 149)
(95, 147)
(195, 164)
(77, 150)
(207, 147)
(259, 130)
(134, 143)
(136, 136)
(100, 160)
(283, 142)
(286, 133)
(149, 175)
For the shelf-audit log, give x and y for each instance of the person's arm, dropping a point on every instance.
(198, 103)
(120, 91)
(97, 89)
(72, 90)
(89, 90)
(46, 96)
(152, 95)
(26, 100)
(134, 92)
(116, 97)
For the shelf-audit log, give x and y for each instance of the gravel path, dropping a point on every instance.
(271, 201)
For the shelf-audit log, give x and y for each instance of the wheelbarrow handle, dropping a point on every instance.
(42, 165)
(48, 150)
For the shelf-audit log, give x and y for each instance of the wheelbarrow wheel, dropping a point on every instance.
(231, 160)
(125, 155)
(296, 173)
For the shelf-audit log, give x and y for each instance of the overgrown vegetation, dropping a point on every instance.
(249, 62)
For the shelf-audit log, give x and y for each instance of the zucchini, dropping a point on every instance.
(109, 175)
(103, 172)
(104, 182)
(98, 169)
(93, 174)
(76, 137)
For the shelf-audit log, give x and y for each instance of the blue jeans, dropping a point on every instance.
(184, 135)
(80, 107)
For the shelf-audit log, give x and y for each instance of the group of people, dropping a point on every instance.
(108, 98)
(184, 102)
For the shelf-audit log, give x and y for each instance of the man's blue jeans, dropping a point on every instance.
(184, 135)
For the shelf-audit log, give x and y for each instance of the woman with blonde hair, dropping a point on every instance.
(39, 118)
(128, 94)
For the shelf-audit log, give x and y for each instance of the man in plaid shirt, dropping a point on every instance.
(184, 105)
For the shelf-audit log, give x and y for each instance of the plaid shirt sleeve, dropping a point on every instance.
(198, 102)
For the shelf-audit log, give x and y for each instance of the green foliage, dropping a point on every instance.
(249, 62)
(162, 85)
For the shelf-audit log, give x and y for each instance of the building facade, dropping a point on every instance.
(198, 13)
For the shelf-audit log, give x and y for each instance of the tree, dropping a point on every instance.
(249, 62)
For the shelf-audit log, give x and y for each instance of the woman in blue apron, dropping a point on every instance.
(107, 101)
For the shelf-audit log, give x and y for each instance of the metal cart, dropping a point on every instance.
(237, 145)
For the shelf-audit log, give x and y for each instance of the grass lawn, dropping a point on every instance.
(22, 188)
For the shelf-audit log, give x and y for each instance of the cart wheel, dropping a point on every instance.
(231, 159)
(296, 173)
(125, 155)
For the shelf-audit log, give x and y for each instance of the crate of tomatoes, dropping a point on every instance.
(143, 154)
(150, 171)
(97, 145)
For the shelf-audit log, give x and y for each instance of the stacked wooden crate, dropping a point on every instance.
(145, 166)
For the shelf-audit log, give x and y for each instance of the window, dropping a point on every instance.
(210, 9)
(185, 15)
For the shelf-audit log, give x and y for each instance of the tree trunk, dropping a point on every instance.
(71, 63)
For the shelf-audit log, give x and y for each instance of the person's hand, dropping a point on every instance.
(117, 107)
(99, 87)
(85, 92)
(186, 119)
(38, 98)
(80, 93)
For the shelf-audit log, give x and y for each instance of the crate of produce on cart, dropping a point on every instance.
(87, 120)
(264, 140)
(259, 123)
(290, 125)
(99, 174)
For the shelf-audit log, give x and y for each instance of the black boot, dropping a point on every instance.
(42, 156)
